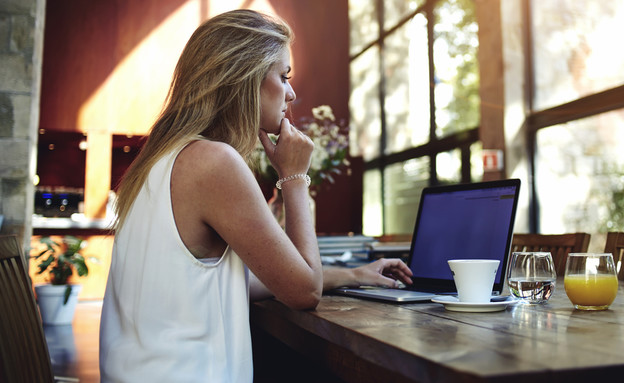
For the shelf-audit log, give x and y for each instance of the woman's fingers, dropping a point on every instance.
(265, 140)
(396, 269)
(291, 153)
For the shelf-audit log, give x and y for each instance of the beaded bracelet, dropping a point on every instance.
(303, 176)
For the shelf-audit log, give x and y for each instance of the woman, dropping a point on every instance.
(195, 239)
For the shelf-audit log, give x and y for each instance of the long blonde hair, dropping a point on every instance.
(214, 94)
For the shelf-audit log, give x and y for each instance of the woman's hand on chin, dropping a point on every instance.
(291, 153)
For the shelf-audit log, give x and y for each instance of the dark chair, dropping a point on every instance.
(559, 246)
(615, 246)
(24, 353)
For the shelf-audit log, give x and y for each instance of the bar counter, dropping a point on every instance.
(76, 223)
(354, 340)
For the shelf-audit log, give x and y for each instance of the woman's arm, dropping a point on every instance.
(287, 262)
(217, 191)
(383, 272)
(257, 290)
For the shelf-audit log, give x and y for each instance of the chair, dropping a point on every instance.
(24, 355)
(559, 246)
(615, 246)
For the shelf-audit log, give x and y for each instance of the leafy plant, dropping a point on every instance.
(61, 260)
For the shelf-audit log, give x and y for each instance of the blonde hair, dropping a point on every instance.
(214, 94)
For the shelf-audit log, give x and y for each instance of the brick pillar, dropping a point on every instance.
(21, 52)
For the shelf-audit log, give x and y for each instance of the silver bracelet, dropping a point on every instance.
(303, 176)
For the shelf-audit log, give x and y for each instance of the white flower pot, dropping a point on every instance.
(50, 299)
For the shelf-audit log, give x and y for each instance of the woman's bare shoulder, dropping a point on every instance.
(211, 151)
(208, 166)
(202, 178)
(210, 156)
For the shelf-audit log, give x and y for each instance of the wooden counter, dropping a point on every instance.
(353, 340)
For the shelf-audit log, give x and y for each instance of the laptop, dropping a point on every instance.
(462, 221)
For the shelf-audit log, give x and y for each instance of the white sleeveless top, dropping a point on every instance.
(168, 317)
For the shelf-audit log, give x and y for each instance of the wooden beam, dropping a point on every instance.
(98, 172)
(588, 106)
(453, 141)
(492, 88)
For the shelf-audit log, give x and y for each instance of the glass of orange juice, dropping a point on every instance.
(590, 280)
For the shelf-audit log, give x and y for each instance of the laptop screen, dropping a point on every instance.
(468, 221)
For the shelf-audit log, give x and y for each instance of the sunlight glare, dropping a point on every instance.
(131, 97)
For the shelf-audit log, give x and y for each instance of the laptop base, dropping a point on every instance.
(386, 294)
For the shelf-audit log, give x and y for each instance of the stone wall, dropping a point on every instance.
(21, 48)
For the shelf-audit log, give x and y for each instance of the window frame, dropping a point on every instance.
(461, 140)
(587, 106)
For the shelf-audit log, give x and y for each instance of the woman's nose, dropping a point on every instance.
(290, 94)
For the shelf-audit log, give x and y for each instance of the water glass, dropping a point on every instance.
(531, 276)
(590, 280)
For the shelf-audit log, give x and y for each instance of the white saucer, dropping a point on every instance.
(453, 304)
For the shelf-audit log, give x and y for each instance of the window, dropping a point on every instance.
(580, 175)
(414, 103)
(415, 107)
(577, 124)
(574, 51)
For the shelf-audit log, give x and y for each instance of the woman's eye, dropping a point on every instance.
(286, 78)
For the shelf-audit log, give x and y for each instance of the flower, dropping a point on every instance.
(330, 146)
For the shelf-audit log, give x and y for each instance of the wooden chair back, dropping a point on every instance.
(615, 246)
(24, 355)
(559, 246)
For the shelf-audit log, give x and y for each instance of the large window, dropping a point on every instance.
(414, 103)
(415, 108)
(577, 124)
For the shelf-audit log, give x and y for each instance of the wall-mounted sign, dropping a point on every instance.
(492, 160)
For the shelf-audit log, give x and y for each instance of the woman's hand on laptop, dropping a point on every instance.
(385, 272)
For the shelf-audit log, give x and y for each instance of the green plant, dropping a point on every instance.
(61, 259)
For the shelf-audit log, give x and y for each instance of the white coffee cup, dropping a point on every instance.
(474, 278)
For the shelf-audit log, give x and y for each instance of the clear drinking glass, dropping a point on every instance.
(531, 276)
(590, 280)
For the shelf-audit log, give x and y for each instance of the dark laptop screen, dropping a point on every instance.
(463, 222)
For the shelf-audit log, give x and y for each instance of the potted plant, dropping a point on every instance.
(57, 299)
